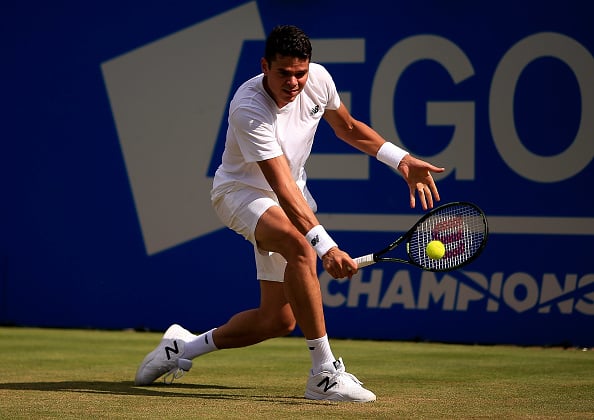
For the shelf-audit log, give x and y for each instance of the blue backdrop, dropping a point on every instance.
(113, 119)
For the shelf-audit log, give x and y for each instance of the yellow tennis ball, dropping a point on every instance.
(435, 250)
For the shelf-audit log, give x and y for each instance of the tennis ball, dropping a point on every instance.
(435, 250)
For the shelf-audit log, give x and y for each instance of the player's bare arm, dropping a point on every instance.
(276, 171)
(416, 172)
(278, 174)
(354, 132)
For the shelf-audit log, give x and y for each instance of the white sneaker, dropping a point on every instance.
(333, 383)
(166, 359)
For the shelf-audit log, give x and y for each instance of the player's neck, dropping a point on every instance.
(269, 92)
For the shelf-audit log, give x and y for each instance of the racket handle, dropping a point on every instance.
(365, 260)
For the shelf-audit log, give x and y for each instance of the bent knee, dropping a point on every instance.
(293, 246)
(300, 251)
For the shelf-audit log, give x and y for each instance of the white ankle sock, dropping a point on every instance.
(320, 352)
(199, 345)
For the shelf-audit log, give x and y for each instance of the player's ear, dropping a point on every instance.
(264, 65)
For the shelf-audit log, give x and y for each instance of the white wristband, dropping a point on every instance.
(320, 240)
(390, 154)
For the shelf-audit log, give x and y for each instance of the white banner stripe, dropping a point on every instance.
(583, 226)
(352, 166)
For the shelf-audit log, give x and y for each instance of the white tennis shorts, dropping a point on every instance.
(240, 208)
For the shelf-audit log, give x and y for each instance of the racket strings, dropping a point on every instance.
(462, 230)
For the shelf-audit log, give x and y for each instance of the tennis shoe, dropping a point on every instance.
(166, 359)
(333, 383)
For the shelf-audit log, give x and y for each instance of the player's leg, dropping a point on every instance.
(328, 378)
(273, 318)
(289, 285)
(290, 292)
(256, 216)
(275, 233)
(240, 210)
(174, 354)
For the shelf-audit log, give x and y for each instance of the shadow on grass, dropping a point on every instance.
(155, 390)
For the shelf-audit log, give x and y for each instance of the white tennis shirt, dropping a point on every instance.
(258, 130)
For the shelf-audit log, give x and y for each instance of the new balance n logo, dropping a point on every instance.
(315, 240)
(326, 383)
(314, 110)
(174, 350)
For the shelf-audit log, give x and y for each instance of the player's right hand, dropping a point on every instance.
(339, 264)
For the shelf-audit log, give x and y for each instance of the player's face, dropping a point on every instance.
(285, 78)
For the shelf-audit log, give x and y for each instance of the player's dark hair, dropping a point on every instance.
(287, 41)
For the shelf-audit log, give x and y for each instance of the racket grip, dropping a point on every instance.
(365, 260)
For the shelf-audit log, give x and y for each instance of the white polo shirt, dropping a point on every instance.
(258, 130)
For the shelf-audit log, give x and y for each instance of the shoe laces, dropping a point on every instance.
(350, 376)
(173, 374)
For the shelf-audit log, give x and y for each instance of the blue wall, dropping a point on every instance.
(113, 116)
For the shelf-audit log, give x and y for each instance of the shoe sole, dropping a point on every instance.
(337, 397)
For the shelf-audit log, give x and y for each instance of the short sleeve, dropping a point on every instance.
(255, 135)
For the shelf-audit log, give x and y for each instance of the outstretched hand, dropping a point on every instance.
(417, 174)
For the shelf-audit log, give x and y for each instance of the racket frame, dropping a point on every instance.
(376, 257)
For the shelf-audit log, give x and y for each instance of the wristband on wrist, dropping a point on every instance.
(390, 154)
(320, 240)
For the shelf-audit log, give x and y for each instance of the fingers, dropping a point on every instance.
(424, 194)
(342, 272)
(434, 191)
(427, 193)
(346, 270)
(339, 265)
(425, 198)
(417, 174)
(435, 169)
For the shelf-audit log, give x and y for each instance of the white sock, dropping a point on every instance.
(320, 352)
(199, 345)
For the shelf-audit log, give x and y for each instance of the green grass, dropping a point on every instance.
(72, 374)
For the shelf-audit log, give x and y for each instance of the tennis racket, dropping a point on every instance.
(461, 227)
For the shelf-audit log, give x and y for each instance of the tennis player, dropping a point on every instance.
(260, 192)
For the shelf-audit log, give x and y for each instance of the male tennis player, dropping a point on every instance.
(259, 191)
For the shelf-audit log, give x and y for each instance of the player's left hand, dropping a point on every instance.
(417, 174)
